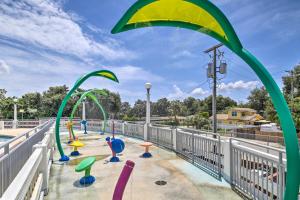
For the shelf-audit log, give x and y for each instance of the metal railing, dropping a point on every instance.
(257, 171)
(94, 126)
(134, 130)
(161, 136)
(15, 153)
(33, 178)
(8, 124)
(118, 127)
(28, 123)
(203, 151)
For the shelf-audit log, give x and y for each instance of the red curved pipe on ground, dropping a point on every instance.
(123, 179)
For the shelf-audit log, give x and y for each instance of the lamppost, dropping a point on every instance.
(148, 87)
(15, 114)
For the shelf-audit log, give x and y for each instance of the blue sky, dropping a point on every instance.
(52, 42)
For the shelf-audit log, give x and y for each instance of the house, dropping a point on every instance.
(240, 116)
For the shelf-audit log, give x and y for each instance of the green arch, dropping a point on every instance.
(100, 73)
(90, 95)
(229, 39)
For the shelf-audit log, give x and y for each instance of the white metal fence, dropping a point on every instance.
(15, 153)
(134, 130)
(8, 124)
(202, 149)
(258, 172)
(161, 136)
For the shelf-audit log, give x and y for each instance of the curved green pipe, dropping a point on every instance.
(89, 94)
(233, 43)
(102, 73)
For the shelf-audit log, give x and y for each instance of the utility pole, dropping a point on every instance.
(214, 90)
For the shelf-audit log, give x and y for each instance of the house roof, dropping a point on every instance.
(243, 109)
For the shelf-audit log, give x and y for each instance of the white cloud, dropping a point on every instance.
(183, 54)
(238, 85)
(133, 73)
(199, 92)
(178, 94)
(4, 68)
(43, 23)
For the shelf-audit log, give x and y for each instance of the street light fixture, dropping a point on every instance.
(148, 86)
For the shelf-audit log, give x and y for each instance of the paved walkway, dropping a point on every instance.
(184, 181)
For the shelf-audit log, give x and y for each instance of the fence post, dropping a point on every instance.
(281, 176)
(268, 143)
(146, 128)
(193, 147)
(43, 168)
(227, 160)
(123, 128)
(6, 149)
(2, 125)
(51, 139)
(174, 132)
(157, 136)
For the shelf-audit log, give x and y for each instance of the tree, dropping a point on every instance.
(2, 100)
(161, 107)
(2, 94)
(139, 109)
(192, 105)
(200, 120)
(125, 109)
(52, 99)
(296, 112)
(6, 108)
(175, 109)
(115, 104)
(292, 79)
(223, 103)
(270, 112)
(257, 100)
(29, 102)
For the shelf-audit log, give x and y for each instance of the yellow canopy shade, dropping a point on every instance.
(177, 10)
(77, 143)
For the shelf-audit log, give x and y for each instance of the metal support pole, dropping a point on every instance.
(148, 107)
(214, 95)
(83, 111)
(15, 116)
(214, 92)
(148, 121)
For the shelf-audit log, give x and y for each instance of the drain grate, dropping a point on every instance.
(160, 182)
